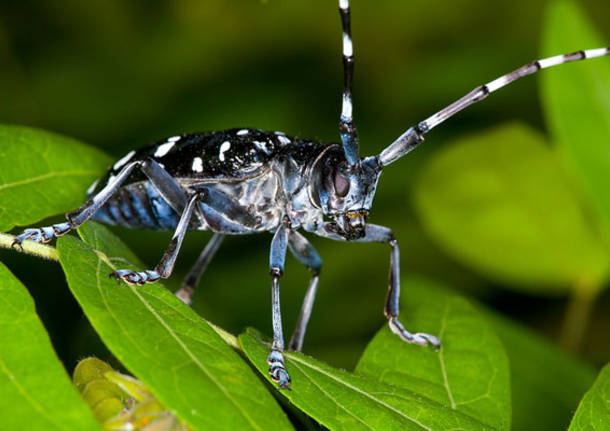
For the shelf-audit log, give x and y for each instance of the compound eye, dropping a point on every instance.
(341, 185)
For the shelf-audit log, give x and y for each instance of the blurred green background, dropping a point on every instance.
(120, 74)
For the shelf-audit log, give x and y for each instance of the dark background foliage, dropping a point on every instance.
(119, 75)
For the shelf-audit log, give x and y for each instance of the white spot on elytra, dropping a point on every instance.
(92, 187)
(163, 149)
(224, 147)
(174, 138)
(283, 139)
(119, 164)
(343, 4)
(261, 146)
(243, 132)
(197, 164)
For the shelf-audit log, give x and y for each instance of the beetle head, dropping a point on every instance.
(346, 193)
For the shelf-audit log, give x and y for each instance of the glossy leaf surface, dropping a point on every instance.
(500, 203)
(546, 383)
(576, 99)
(593, 413)
(35, 392)
(43, 174)
(164, 343)
(341, 400)
(470, 373)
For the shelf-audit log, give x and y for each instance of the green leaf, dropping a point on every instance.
(546, 384)
(499, 202)
(164, 343)
(341, 400)
(35, 391)
(593, 413)
(43, 174)
(470, 373)
(576, 99)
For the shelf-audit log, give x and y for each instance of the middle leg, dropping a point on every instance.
(185, 293)
(304, 251)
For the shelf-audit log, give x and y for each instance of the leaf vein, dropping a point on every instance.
(47, 176)
(360, 391)
(28, 398)
(185, 348)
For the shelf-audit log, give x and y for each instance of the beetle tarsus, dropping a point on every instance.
(277, 369)
(42, 235)
(419, 338)
(135, 277)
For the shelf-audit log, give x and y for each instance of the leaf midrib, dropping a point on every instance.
(28, 398)
(359, 391)
(175, 337)
(441, 358)
(47, 176)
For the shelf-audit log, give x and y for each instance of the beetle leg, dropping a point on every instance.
(304, 251)
(224, 213)
(166, 265)
(185, 293)
(81, 215)
(375, 233)
(168, 187)
(277, 256)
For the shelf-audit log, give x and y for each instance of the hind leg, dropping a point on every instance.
(168, 187)
(185, 293)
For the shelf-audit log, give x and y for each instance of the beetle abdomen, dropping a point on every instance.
(138, 205)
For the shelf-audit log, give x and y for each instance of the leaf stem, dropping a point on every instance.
(29, 247)
(578, 315)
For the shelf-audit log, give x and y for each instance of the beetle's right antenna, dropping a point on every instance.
(347, 129)
(415, 135)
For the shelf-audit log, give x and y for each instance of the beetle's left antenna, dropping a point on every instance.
(347, 129)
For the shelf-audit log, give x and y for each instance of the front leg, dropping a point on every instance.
(375, 233)
(277, 256)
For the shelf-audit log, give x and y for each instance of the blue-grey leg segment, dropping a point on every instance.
(85, 212)
(168, 188)
(230, 208)
(304, 252)
(185, 293)
(81, 215)
(375, 233)
(223, 213)
(166, 265)
(277, 256)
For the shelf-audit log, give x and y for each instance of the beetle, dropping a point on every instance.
(246, 181)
